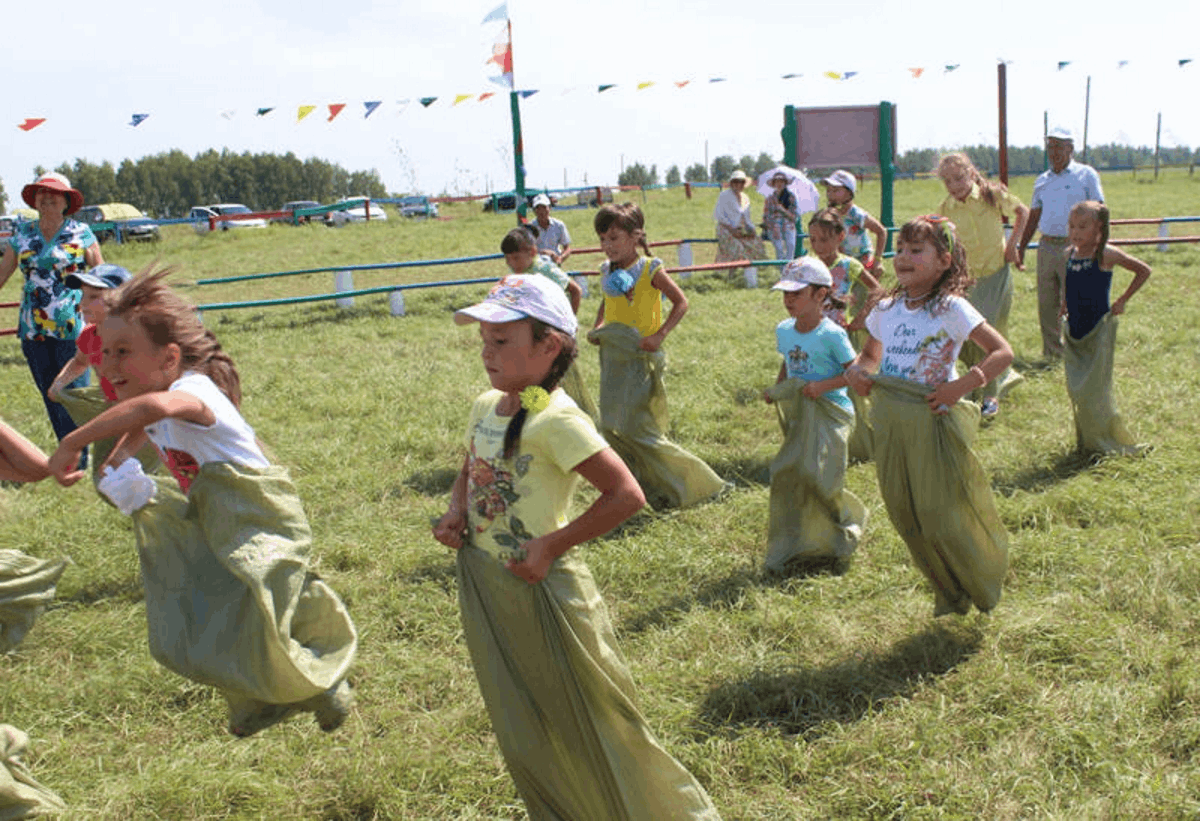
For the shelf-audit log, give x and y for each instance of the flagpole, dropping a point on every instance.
(514, 103)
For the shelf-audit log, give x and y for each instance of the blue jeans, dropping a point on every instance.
(46, 358)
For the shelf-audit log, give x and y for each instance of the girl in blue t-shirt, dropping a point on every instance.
(815, 522)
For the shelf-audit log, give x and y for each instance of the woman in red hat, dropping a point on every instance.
(47, 250)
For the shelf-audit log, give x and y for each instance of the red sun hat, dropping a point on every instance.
(53, 181)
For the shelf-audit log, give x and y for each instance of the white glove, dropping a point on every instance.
(127, 487)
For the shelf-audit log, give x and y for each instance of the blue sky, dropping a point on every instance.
(201, 71)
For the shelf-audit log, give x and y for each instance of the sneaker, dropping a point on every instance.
(331, 707)
(990, 407)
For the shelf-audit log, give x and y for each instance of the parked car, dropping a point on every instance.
(507, 201)
(355, 214)
(296, 205)
(417, 206)
(200, 216)
(132, 223)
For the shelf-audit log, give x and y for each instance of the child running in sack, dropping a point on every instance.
(519, 247)
(840, 187)
(630, 331)
(554, 681)
(849, 306)
(1091, 337)
(230, 599)
(935, 490)
(27, 584)
(815, 522)
(978, 207)
(85, 403)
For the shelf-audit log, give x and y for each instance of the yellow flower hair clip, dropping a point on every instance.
(534, 399)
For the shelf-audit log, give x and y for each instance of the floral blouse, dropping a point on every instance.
(49, 309)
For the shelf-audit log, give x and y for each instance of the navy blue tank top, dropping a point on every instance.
(1087, 291)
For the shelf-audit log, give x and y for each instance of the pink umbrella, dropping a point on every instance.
(806, 194)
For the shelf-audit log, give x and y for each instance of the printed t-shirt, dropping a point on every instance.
(922, 345)
(822, 353)
(510, 501)
(49, 309)
(89, 345)
(549, 270)
(980, 229)
(642, 308)
(845, 271)
(857, 242)
(185, 446)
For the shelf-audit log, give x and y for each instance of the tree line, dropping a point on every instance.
(169, 184)
(1021, 161)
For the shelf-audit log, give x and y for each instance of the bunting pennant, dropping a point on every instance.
(916, 72)
(137, 119)
(334, 110)
(681, 83)
(1122, 63)
(951, 68)
(427, 101)
(496, 15)
(640, 86)
(262, 112)
(1184, 62)
(228, 113)
(603, 88)
(485, 95)
(31, 123)
(1063, 64)
(846, 75)
(458, 98)
(716, 79)
(303, 111)
(525, 95)
(371, 106)
(791, 76)
(833, 75)
(402, 105)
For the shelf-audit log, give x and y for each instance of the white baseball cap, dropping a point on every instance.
(842, 178)
(1061, 132)
(523, 296)
(802, 272)
(541, 199)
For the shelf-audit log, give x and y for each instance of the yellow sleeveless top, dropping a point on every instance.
(644, 311)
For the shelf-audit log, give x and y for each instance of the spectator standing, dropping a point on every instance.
(553, 238)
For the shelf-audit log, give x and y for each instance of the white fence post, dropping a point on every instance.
(1164, 230)
(396, 303)
(685, 254)
(751, 276)
(344, 281)
(581, 281)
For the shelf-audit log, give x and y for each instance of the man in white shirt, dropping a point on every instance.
(1055, 193)
(553, 239)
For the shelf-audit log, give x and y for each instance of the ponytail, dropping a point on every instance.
(558, 369)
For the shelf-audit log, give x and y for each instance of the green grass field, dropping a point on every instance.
(821, 697)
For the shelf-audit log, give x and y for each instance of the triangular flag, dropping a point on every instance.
(1184, 62)
(848, 74)
(496, 14)
(137, 119)
(645, 85)
(916, 72)
(228, 113)
(525, 95)
(262, 112)
(681, 83)
(833, 75)
(371, 106)
(402, 105)
(334, 110)
(1063, 64)
(31, 123)
(951, 68)
(716, 79)
(604, 87)
(458, 98)
(791, 76)
(303, 111)
(485, 95)
(1122, 63)
(505, 80)
(427, 101)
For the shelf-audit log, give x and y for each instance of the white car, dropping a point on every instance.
(355, 214)
(200, 216)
